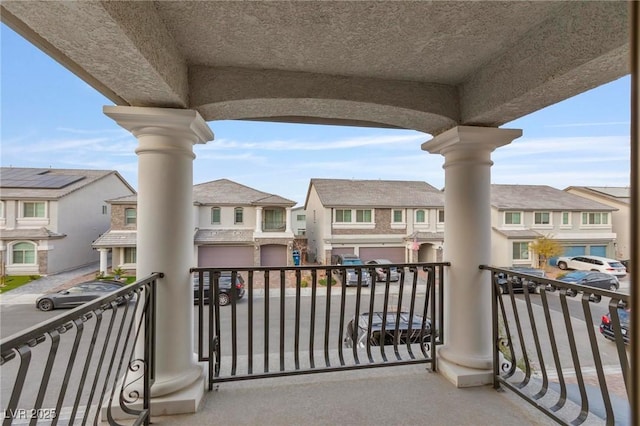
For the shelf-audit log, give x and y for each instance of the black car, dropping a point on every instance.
(224, 289)
(384, 265)
(77, 295)
(591, 279)
(358, 332)
(518, 283)
(606, 325)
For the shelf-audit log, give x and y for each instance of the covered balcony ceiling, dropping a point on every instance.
(424, 65)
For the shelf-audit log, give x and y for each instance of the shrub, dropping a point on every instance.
(304, 284)
(323, 281)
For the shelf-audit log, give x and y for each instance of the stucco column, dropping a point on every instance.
(165, 230)
(466, 357)
(287, 219)
(258, 219)
(104, 253)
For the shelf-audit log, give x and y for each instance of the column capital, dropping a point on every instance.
(470, 138)
(161, 121)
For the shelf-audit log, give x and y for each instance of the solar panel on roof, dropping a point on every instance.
(36, 179)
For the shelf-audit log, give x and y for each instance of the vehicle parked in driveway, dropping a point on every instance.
(592, 263)
(517, 282)
(384, 268)
(410, 330)
(606, 325)
(224, 287)
(77, 295)
(591, 279)
(352, 275)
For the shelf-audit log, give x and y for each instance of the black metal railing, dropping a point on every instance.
(562, 347)
(94, 363)
(299, 320)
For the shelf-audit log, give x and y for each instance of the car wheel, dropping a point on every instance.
(45, 305)
(562, 265)
(613, 287)
(223, 299)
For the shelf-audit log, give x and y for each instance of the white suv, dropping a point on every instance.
(592, 263)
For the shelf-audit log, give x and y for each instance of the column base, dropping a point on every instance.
(184, 401)
(464, 377)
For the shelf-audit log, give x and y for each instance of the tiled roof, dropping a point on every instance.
(204, 236)
(519, 233)
(49, 184)
(621, 194)
(425, 236)
(116, 239)
(128, 199)
(376, 193)
(227, 192)
(29, 234)
(540, 197)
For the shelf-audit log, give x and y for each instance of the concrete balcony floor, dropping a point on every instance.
(404, 395)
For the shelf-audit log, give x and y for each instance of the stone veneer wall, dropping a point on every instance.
(117, 217)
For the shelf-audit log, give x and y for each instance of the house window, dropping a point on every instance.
(512, 218)
(542, 218)
(343, 215)
(302, 231)
(33, 209)
(397, 216)
(130, 216)
(566, 218)
(238, 214)
(363, 216)
(273, 220)
(129, 255)
(521, 251)
(441, 216)
(597, 218)
(104, 209)
(301, 217)
(420, 216)
(24, 253)
(215, 215)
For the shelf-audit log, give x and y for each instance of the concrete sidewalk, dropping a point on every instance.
(29, 292)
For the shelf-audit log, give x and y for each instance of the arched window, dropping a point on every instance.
(238, 215)
(129, 216)
(215, 215)
(420, 216)
(23, 253)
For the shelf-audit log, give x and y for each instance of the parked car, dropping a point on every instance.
(358, 331)
(77, 295)
(351, 274)
(381, 272)
(224, 287)
(518, 283)
(592, 263)
(591, 279)
(606, 325)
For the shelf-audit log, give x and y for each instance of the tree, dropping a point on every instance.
(545, 248)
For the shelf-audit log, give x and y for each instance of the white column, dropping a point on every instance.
(288, 220)
(258, 220)
(165, 232)
(103, 260)
(466, 357)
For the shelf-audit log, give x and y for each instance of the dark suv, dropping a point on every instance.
(517, 282)
(351, 274)
(224, 292)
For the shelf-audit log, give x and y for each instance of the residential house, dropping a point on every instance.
(234, 225)
(402, 221)
(522, 213)
(49, 217)
(299, 221)
(620, 199)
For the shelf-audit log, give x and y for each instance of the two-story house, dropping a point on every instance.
(401, 221)
(234, 225)
(522, 213)
(49, 217)
(620, 199)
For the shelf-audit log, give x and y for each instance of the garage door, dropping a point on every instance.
(273, 255)
(222, 256)
(569, 251)
(394, 254)
(598, 251)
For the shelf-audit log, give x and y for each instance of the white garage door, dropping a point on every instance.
(394, 254)
(222, 256)
(273, 255)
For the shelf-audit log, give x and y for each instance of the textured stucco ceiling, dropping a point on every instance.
(422, 65)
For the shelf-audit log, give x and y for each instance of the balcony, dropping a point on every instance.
(274, 226)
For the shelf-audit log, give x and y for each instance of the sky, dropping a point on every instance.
(51, 118)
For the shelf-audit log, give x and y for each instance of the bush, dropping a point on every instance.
(304, 284)
(323, 281)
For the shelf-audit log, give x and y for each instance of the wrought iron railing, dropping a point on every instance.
(288, 321)
(562, 347)
(94, 363)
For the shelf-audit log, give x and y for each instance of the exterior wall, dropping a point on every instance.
(317, 228)
(118, 217)
(227, 218)
(298, 225)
